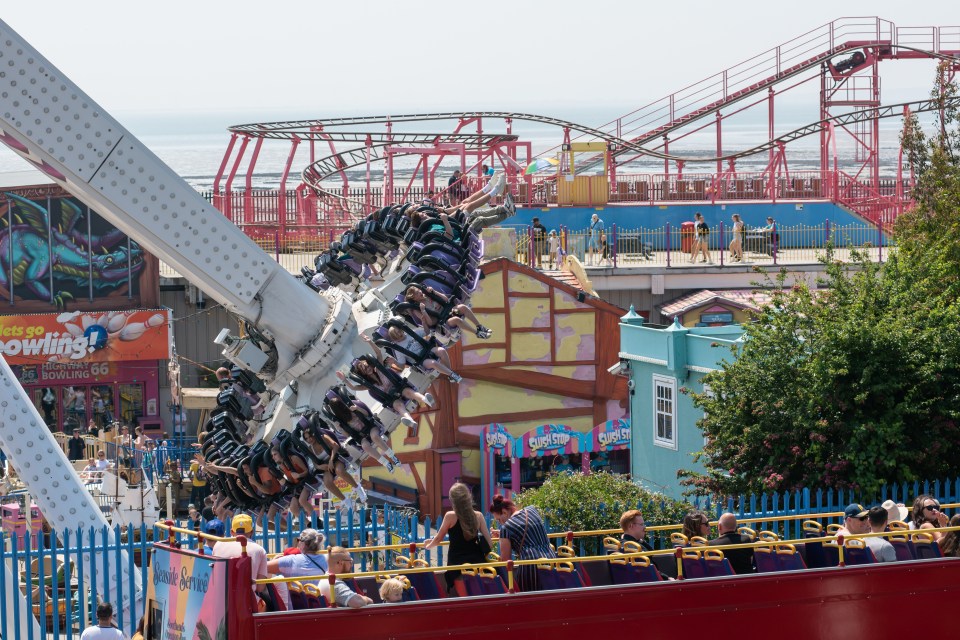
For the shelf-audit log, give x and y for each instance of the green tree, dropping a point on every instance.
(855, 383)
(576, 502)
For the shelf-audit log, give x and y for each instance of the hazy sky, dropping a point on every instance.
(285, 60)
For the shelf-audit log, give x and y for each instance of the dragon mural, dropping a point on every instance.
(28, 254)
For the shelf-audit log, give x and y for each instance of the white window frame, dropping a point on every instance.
(671, 384)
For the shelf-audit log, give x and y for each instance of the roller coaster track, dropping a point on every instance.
(326, 167)
(713, 108)
(377, 142)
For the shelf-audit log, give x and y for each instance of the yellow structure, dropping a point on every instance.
(583, 190)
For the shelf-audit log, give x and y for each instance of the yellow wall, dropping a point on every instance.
(481, 398)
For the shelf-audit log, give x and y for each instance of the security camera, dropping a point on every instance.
(631, 385)
(224, 339)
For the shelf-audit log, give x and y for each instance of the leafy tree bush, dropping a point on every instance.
(576, 502)
(857, 383)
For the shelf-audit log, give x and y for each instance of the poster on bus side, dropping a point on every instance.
(186, 597)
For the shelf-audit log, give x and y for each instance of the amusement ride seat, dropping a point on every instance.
(856, 551)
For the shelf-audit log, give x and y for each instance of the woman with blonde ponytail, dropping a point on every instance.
(469, 537)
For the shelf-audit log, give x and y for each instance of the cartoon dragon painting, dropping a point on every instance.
(27, 258)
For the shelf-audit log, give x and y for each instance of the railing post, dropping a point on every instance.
(826, 232)
(511, 582)
(531, 256)
(613, 246)
(668, 245)
(880, 241)
(722, 245)
(775, 244)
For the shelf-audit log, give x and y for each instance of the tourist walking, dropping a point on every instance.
(736, 245)
(701, 239)
(593, 238)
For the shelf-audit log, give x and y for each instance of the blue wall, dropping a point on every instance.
(680, 354)
(652, 217)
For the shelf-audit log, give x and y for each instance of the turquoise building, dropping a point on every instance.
(661, 363)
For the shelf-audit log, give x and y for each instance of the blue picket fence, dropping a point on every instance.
(50, 569)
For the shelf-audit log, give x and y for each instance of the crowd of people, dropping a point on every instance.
(522, 535)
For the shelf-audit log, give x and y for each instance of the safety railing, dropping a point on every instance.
(409, 565)
(807, 50)
(672, 247)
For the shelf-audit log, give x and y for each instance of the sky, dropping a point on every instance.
(286, 60)
(193, 68)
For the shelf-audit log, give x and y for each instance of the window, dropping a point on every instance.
(664, 412)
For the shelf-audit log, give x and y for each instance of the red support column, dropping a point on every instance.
(249, 211)
(218, 201)
(719, 141)
(282, 195)
(233, 174)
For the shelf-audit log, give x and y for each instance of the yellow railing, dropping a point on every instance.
(769, 521)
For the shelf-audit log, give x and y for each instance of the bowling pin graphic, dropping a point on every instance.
(73, 329)
(116, 322)
(134, 330)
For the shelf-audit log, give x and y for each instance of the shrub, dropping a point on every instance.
(576, 502)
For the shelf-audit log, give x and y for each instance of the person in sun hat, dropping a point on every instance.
(854, 520)
(896, 511)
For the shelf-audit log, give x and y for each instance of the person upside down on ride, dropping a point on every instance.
(357, 423)
(326, 448)
(432, 304)
(296, 476)
(261, 480)
(436, 359)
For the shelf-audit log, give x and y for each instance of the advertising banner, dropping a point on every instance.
(612, 435)
(187, 596)
(552, 439)
(73, 338)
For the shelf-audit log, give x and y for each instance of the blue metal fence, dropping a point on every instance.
(50, 570)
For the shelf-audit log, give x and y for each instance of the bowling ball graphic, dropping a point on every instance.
(99, 340)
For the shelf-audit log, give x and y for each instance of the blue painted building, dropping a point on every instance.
(662, 362)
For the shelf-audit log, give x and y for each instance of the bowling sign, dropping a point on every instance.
(77, 337)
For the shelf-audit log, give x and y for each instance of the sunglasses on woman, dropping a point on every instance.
(931, 507)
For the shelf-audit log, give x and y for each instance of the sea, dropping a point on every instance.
(194, 145)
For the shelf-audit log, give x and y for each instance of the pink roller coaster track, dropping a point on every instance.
(844, 56)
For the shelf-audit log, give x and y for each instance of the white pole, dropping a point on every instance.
(171, 508)
(57, 488)
(15, 604)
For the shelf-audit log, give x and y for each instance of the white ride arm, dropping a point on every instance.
(49, 121)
